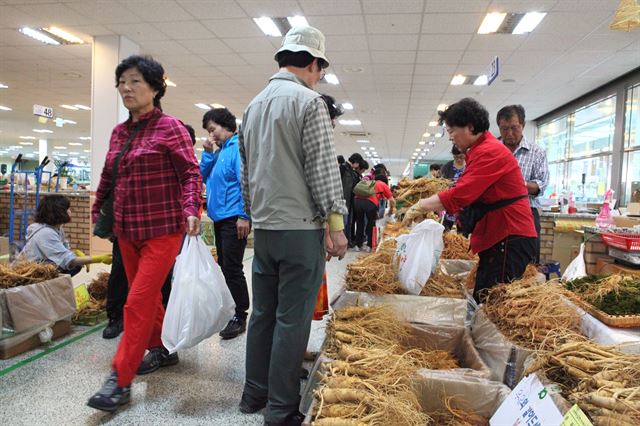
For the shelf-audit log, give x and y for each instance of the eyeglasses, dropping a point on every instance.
(514, 128)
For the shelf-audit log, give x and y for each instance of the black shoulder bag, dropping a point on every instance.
(103, 227)
(471, 215)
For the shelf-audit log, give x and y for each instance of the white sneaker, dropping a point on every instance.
(366, 249)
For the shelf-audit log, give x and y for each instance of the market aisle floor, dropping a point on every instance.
(204, 388)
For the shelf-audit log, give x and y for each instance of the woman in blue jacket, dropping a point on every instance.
(220, 171)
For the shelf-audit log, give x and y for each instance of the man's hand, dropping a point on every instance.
(335, 243)
(193, 226)
(244, 227)
(533, 188)
(209, 144)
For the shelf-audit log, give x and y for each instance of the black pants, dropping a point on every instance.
(230, 253)
(536, 222)
(364, 209)
(503, 263)
(118, 286)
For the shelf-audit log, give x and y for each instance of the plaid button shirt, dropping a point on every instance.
(533, 164)
(158, 184)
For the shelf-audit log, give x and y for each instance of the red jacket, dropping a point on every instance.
(492, 174)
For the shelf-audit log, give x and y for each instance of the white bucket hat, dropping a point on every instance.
(304, 39)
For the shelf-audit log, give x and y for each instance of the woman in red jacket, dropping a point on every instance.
(504, 237)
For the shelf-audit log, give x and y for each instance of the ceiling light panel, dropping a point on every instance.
(68, 38)
(71, 107)
(203, 106)
(347, 106)
(297, 21)
(331, 79)
(491, 22)
(82, 107)
(37, 35)
(267, 26)
(458, 80)
(529, 22)
(350, 122)
(5, 108)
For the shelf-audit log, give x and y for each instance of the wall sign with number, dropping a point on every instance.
(43, 111)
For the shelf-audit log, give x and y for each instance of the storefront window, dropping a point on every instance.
(556, 179)
(632, 177)
(632, 117)
(590, 178)
(593, 128)
(553, 137)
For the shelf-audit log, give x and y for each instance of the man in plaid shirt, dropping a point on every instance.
(293, 193)
(531, 158)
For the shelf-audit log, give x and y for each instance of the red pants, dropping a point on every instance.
(146, 264)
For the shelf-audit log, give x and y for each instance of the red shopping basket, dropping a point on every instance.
(626, 242)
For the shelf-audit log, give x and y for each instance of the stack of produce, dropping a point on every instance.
(411, 190)
(604, 382)
(25, 273)
(456, 246)
(614, 294)
(374, 273)
(394, 229)
(532, 315)
(97, 296)
(369, 380)
(443, 285)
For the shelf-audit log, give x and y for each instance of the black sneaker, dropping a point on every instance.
(113, 329)
(156, 358)
(294, 419)
(250, 405)
(110, 396)
(234, 328)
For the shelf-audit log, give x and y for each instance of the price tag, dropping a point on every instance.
(576, 417)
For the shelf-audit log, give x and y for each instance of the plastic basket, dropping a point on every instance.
(626, 242)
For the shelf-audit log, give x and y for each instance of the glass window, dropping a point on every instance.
(632, 176)
(593, 128)
(632, 117)
(556, 179)
(590, 178)
(552, 137)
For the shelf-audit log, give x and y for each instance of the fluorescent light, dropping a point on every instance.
(442, 107)
(82, 107)
(331, 79)
(75, 144)
(426, 134)
(26, 143)
(30, 155)
(64, 120)
(203, 106)
(5, 108)
(238, 121)
(528, 22)
(421, 143)
(217, 106)
(71, 107)
(458, 80)
(170, 83)
(433, 123)
(69, 38)
(347, 106)
(59, 147)
(28, 138)
(362, 141)
(350, 122)
(87, 150)
(62, 154)
(438, 135)
(364, 148)
(491, 23)
(482, 80)
(3, 86)
(268, 26)
(41, 131)
(74, 153)
(85, 138)
(29, 32)
(297, 21)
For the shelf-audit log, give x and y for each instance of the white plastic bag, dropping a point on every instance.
(417, 255)
(200, 303)
(577, 267)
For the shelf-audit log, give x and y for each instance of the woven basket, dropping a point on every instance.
(618, 321)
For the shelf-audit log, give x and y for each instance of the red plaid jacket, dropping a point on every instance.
(158, 184)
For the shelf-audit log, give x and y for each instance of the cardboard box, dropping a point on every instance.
(626, 221)
(21, 343)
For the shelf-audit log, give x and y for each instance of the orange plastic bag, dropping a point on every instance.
(322, 301)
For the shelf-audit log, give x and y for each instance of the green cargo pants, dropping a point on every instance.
(287, 273)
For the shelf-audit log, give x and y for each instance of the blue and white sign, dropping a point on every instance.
(494, 70)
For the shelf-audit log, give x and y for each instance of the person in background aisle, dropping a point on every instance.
(452, 171)
(292, 190)
(342, 165)
(531, 158)
(155, 199)
(118, 286)
(505, 237)
(220, 170)
(377, 169)
(434, 171)
(46, 241)
(335, 110)
(367, 208)
(353, 174)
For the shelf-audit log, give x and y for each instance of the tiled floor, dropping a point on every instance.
(204, 388)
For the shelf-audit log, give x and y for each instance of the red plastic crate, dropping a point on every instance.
(626, 242)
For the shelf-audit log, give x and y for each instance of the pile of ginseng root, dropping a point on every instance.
(25, 272)
(369, 380)
(97, 290)
(411, 190)
(603, 381)
(375, 272)
(443, 285)
(532, 315)
(456, 246)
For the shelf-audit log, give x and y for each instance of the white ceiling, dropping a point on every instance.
(406, 52)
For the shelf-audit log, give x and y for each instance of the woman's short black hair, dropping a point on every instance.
(435, 167)
(301, 59)
(341, 159)
(355, 157)
(364, 164)
(151, 71)
(335, 110)
(222, 117)
(382, 178)
(192, 133)
(52, 210)
(466, 112)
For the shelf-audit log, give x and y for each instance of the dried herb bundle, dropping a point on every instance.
(25, 272)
